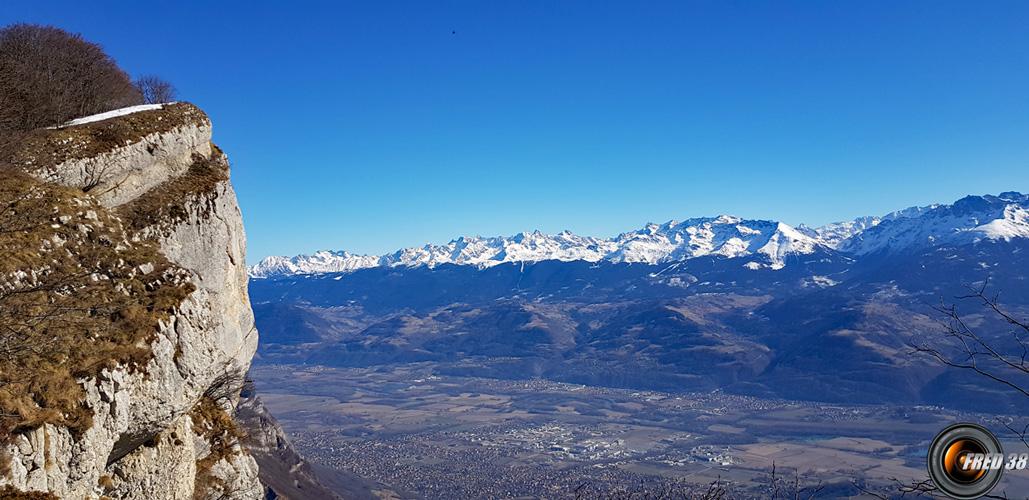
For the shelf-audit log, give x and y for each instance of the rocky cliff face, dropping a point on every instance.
(160, 430)
(283, 472)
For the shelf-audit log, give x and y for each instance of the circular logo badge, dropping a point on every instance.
(965, 461)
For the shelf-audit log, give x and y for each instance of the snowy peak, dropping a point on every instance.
(832, 235)
(785, 241)
(968, 220)
(766, 243)
(319, 262)
(485, 252)
(835, 234)
(725, 236)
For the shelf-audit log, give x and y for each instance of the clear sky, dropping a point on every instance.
(369, 126)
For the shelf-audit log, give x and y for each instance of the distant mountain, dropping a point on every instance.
(764, 244)
(744, 306)
(768, 241)
(724, 236)
(324, 261)
(835, 234)
(826, 326)
(969, 220)
(832, 235)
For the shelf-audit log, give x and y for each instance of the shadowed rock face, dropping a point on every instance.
(155, 168)
(283, 472)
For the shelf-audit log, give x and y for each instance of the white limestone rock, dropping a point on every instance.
(141, 444)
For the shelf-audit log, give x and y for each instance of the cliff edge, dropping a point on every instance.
(136, 265)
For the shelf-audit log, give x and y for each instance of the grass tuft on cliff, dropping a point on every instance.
(77, 296)
(171, 202)
(10, 493)
(214, 425)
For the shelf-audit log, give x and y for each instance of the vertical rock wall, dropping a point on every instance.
(145, 441)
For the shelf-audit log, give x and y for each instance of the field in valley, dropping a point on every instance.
(437, 436)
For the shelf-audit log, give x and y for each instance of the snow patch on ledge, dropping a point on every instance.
(114, 114)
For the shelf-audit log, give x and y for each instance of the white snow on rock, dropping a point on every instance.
(113, 114)
(969, 220)
(486, 252)
(1014, 224)
(673, 241)
(724, 235)
(320, 262)
(835, 234)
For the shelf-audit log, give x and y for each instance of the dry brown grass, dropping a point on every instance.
(75, 299)
(218, 428)
(10, 493)
(45, 148)
(169, 203)
(5, 463)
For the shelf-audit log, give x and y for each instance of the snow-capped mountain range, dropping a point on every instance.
(968, 220)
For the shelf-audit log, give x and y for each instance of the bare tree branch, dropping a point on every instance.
(48, 76)
(965, 349)
(154, 89)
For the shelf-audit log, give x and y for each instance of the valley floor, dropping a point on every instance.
(435, 436)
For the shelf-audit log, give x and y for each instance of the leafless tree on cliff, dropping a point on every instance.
(155, 90)
(48, 76)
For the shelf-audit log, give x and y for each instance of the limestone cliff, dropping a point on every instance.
(160, 429)
(283, 472)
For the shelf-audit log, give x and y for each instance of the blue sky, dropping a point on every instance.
(369, 126)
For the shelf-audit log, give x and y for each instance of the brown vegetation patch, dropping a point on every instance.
(5, 463)
(44, 149)
(10, 493)
(218, 428)
(169, 202)
(76, 297)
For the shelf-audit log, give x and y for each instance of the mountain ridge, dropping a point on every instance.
(768, 242)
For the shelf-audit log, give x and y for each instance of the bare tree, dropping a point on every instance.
(48, 76)
(154, 89)
(901, 489)
(228, 384)
(785, 487)
(994, 358)
(669, 490)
